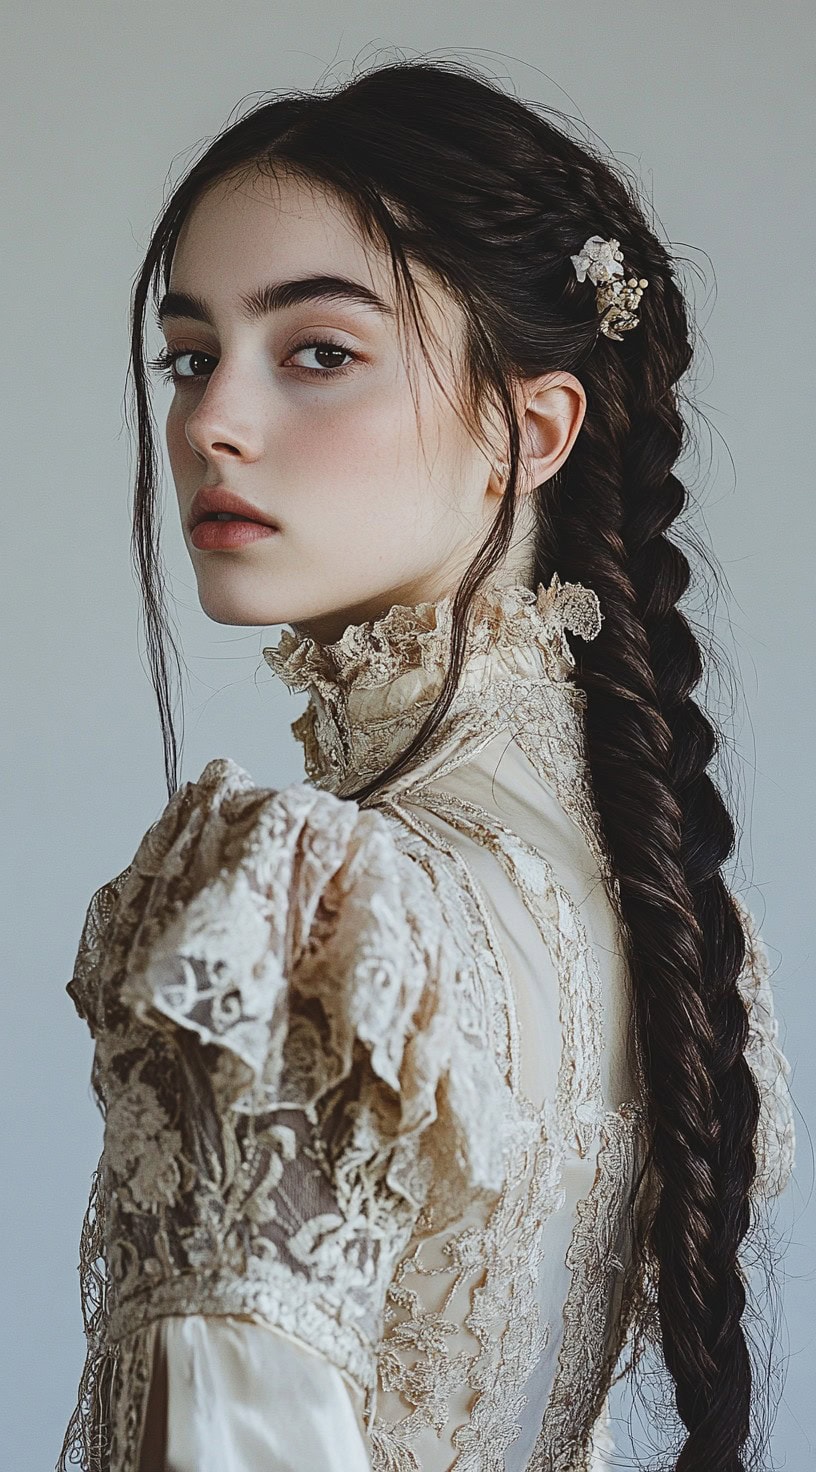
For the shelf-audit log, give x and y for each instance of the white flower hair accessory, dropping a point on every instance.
(616, 300)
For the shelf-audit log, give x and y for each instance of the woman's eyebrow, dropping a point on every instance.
(273, 296)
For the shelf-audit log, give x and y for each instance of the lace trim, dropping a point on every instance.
(82, 988)
(555, 748)
(105, 1429)
(512, 1342)
(86, 1441)
(776, 1135)
(579, 1093)
(460, 896)
(294, 1303)
(601, 1292)
(490, 1267)
(134, 1368)
(371, 691)
(775, 1146)
(405, 638)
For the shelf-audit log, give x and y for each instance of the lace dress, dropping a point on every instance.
(372, 1109)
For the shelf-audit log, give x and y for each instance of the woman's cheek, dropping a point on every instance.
(178, 446)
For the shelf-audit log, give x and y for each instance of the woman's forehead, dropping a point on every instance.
(264, 228)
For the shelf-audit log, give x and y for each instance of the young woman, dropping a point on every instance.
(445, 1082)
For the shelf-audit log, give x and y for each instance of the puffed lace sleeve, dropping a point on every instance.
(294, 1060)
(775, 1142)
(288, 933)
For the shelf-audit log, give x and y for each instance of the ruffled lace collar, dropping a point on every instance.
(370, 691)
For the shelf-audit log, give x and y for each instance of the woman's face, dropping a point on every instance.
(306, 411)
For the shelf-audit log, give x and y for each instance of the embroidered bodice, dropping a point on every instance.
(367, 1070)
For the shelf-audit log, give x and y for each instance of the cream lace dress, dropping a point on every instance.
(372, 1110)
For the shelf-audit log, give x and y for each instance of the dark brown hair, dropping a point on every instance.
(487, 193)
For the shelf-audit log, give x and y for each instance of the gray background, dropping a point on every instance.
(712, 105)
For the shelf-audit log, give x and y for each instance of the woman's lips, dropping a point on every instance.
(215, 536)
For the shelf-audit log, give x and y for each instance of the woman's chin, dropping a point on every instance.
(231, 605)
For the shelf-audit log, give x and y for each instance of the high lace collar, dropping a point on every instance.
(370, 691)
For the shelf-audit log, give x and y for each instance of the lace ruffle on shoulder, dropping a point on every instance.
(284, 929)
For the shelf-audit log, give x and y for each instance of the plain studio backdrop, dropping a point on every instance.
(711, 105)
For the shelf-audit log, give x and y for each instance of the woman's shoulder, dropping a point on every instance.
(221, 854)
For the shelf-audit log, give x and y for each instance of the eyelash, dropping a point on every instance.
(165, 362)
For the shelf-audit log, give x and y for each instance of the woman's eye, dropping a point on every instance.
(196, 358)
(169, 358)
(325, 350)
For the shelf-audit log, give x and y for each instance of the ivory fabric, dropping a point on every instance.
(236, 1395)
(372, 1102)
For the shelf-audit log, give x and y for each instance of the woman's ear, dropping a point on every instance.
(552, 412)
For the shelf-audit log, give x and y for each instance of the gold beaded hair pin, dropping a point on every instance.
(616, 300)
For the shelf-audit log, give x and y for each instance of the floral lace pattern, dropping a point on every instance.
(307, 1059)
(601, 1292)
(484, 1300)
(579, 1099)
